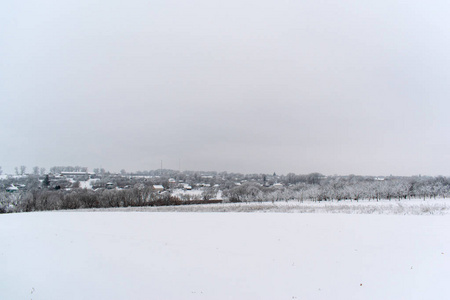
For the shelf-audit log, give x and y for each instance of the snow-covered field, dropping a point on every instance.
(405, 207)
(174, 255)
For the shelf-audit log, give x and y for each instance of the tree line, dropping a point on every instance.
(38, 193)
(337, 188)
(45, 199)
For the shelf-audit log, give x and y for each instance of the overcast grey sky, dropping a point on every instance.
(336, 87)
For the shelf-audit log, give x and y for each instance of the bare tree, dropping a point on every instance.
(76, 185)
(46, 182)
(42, 171)
(36, 170)
(22, 170)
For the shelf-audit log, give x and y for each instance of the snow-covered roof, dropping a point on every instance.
(77, 173)
(12, 188)
(187, 186)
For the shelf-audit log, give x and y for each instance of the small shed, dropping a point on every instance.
(158, 188)
(12, 188)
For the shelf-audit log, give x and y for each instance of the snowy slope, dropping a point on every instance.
(405, 207)
(140, 255)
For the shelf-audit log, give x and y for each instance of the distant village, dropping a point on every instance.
(159, 180)
(76, 187)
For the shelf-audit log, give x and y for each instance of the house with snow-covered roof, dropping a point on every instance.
(158, 188)
(12, 189)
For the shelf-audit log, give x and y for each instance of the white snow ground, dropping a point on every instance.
(192, 193)
(144, 255)
(405, 207)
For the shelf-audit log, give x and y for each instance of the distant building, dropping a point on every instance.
(69, 174)
(158, 188)
(172, 182)
(278, 186)
(187, 187)
(12, 189)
